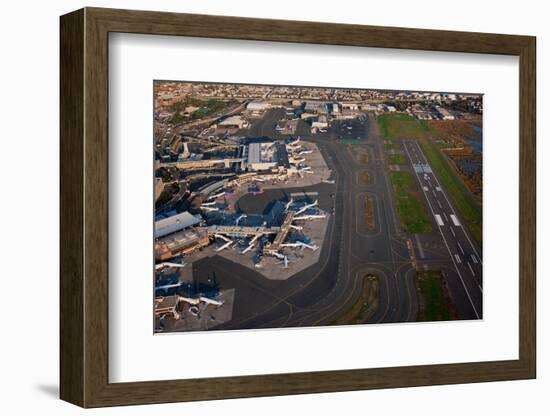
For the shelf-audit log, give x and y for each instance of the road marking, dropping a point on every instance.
(439, 203)
(452, 231)
(474, 258)
(460, 247)
(470, 267)
(446, 217)
(457, 257)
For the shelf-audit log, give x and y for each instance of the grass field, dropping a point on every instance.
(394, 126)
(434, 304)
(403, 126)
(365, 306)
(397, 160)
(414, 219)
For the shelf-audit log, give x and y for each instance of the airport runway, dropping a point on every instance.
(465, 256)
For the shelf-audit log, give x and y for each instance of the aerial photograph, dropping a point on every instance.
(290, 206)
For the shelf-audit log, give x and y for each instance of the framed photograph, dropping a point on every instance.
(260, 207)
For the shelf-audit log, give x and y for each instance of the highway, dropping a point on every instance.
(466, 259)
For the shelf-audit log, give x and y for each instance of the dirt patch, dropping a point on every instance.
(366, 306)
(370, 218)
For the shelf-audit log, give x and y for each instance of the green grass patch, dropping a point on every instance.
(414, 219)
(403, 126)
(434, 301)
(397, 159)
(207, 108)
(464, 202)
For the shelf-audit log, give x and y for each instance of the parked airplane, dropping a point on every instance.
(247, 249)
(242, 216)
(300, 244)
(288, 204)
(306, 207)
(216, 196)
(305, 152)
(309, 217)
(170, 286)
(209, 208)
(165, 265)
(226, 245)
(327, 181)
(211, 301)
(208, 204)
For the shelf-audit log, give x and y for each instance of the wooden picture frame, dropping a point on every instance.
(84, 207)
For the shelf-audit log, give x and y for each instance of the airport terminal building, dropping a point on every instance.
(265, 156)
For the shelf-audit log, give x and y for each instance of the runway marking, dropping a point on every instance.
(460, 247)
(457, 257)
(474, 258)
(455, 220)
(470, 267)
